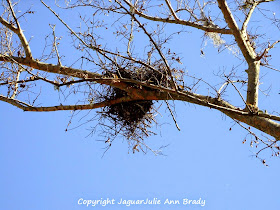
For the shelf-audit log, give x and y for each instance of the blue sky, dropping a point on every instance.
(44, 167)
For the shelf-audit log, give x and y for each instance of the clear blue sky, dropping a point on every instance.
(44, 167)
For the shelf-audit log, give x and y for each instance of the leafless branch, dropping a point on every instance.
(248, 17)
(173, 117)
(154, 43)
(171, 9)
(19, 32)
(229, 81)
(27, 107)
(55, 45)
(181, 22)
(16, 84)
(267, 49)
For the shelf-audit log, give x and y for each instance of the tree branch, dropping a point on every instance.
(240, 37)
(171, 9)
(267, 49)
(248, 52)
(248, 17)
(162, 93)
(229, 81)
(169, 73)
(19, 32)
(8, 25)
(36, 64)
(180, 22)
(28, 107)
(55, 45)
(173, 117)
(20, 81)
(257, 120)
(16, 83)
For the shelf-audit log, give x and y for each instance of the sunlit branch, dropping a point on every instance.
(181, 22)
(28, 107)
(130, 37)
(8, 25)
(248, 52)
(48, 67)
(226, 83)
(240, 38)
(162, 93)
(19, 32)
(264, 1)
(248, 16)
(55, 45)
(16, 83)
(171, 9)
(35, 76)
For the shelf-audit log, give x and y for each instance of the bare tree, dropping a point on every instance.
(142, 68)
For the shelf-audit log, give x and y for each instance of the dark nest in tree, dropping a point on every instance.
(132, 119)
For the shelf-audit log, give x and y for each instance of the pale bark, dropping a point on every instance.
(247, 50)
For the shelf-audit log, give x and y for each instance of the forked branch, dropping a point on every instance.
(180, 22)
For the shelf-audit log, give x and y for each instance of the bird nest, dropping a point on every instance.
(134, 118)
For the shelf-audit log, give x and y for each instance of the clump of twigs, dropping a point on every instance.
(132, 119)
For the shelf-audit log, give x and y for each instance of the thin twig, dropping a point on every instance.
(55, 46)
(266, 50)
(174, 119)
(249, 108)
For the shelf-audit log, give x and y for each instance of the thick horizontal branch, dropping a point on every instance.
(125, 84)
(138, 92)
(257, 120)
(163, 93)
